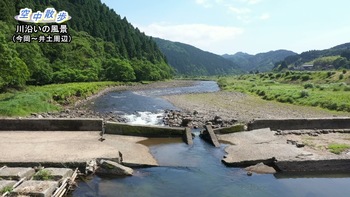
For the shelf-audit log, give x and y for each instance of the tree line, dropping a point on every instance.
(104, 47)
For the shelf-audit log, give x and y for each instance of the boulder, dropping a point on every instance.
(107, 167)
(261, 168)
(186, 121)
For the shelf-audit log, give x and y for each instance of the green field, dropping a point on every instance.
(325, 89)
(48, 98)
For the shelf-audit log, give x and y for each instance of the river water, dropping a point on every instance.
(195, 170)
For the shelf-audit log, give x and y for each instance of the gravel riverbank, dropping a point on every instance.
(243, 107)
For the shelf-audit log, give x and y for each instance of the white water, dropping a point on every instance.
(145, 118)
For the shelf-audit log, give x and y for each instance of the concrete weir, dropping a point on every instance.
(297, 124)
(209, 135)
(58, 124)
(187, 137)
(142, 131)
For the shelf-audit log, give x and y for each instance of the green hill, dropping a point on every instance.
(104, 47)
(260, 62)
(191, 61)
(333, 58)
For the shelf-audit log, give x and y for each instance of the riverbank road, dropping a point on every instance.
(70, 147)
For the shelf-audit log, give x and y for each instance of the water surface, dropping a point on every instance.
(195, 170)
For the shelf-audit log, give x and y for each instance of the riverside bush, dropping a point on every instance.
(308, 85)
(319, 90)
(37, 99)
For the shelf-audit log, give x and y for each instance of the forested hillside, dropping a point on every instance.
(333, 58)
(104, 47)
(191, 61)
(261, 62)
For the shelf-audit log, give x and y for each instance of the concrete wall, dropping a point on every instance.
(296, 124)
(232, 129)
(337, 165)
(50, 124)
(141, 130)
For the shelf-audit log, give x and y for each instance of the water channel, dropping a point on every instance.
(195, 170)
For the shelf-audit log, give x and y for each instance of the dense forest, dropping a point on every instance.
(104, 47)
(337, 57)
(261, 62)
(191, 61)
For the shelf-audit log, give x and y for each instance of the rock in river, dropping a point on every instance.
(113, 168)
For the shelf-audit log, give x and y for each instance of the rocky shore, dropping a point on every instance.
(172, 118)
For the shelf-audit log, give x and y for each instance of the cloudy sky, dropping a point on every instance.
(252, 26)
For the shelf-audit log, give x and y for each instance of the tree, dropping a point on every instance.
(38, 65)
(13, 71)
(119, 70)
(346, 54)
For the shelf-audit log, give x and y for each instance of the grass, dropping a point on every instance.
(37, 99)
(6, 189)
(324, 89)
(338, 148)
(43, 175)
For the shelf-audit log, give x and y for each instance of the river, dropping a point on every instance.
(195, 170)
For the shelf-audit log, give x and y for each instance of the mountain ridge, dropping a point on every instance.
(261, 61)
(192, 61)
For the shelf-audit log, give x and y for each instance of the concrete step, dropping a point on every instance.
(16, 173)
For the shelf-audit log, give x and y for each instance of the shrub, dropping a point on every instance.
(308, 85)
(222, 82)
(304, 94)
(344, 71)
(329, 74)
(341, 76)
(261, 92)
(295, 77)
(338, 148)
(43, 175)
(305, 77)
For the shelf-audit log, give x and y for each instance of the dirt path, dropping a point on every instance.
(244, 108)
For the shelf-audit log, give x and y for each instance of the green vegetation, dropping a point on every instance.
(191, 61)
(43, 175)
(36, 99)
(261, 62)
(338, 148)
(337, 57)
(6, 189)
(104, 47)
(323, 89)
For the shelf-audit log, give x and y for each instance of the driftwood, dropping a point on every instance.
(65, 184)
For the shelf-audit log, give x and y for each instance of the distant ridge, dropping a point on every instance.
(191, 61)
(260, 62)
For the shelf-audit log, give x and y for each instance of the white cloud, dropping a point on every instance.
(251, 2)
(239, 11)
(217, 39)
(204, 3)
(265, 16)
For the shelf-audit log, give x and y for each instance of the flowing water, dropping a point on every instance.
(196, 170)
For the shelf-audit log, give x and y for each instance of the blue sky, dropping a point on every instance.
(252, 26)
